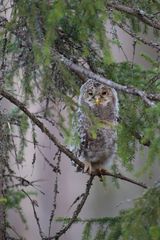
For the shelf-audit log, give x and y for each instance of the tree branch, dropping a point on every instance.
(139, 38)
(127, 89)
(140, 14)
(54, 204)
(34, 205)
(3, 21)
(76, 212)
(61, 147)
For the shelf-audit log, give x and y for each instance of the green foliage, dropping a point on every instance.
(100, 233)
(87, 231)
(70, 133)
(95, 126)
(3, 200)
(99, 225)
(127, 73)
(70, 136)
(135, 118)
(18, 118)
(46, 26)
(138, 223)
(126, 145)
(151, 131)
(147, 8)
(94, 121)
(154, 232)
(142, 221)
(13, 198)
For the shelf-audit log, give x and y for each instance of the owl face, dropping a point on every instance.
(95, 94)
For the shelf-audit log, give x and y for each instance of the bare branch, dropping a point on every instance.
(23, 182)
(61, 147)
(120, 176)
(76, 212)
(34, 204)
(140, 14)
(55, 193)
(54, 168)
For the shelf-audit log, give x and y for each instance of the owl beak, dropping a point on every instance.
(98, 100)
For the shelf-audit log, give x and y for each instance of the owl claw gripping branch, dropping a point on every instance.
(100, 101)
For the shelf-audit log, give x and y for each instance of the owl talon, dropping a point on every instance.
(101, 171)
(88, 167)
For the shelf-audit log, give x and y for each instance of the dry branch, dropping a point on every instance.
(76, 212)
(54, 204)
(34, 205)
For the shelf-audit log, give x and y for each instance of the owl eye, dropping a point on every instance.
(90, 93)
(104, 93)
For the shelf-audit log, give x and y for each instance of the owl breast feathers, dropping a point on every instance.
(96, 126)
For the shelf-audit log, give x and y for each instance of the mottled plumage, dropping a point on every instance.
(98, 106)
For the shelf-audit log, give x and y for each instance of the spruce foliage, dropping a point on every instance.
(139, 222)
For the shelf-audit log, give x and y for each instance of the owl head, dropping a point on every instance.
(94, 94)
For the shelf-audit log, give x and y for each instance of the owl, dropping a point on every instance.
(96, 122)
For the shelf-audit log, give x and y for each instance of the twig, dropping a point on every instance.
(12, 228)
(5, 9)
(24, 182)
(55, 193)
(126, 29)
(122, 177)
(28, 140)
(54, 168)
(76, 212)
(76, 200)
(115, 34)
(33, 203)
(140, 14)
(51, 136)
(91, 220)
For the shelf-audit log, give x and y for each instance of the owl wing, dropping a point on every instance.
(80, 129)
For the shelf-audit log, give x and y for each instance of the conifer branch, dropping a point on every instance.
(100, 220)
(147, 98)
(140, 14)
(126, 29)
(61, 147)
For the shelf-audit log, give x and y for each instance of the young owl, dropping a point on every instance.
(98, 114)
